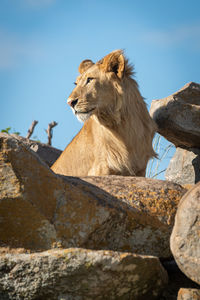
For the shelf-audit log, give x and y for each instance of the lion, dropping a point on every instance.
(116, 138)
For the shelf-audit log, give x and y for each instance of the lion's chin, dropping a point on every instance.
(83, 116)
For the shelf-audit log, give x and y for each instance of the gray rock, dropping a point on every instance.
(185, 241)
(178, 116)
(184, 167)
(47, 153)
(80, 274)
(188, 294)
(39, 209)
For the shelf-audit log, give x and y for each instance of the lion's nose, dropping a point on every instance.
(72, 103)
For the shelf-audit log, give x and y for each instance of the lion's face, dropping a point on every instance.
(95, 90)
(85, 98)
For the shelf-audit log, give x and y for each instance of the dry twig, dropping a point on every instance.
(49, 131)
(31, 129)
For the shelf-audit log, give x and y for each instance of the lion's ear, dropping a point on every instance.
(84, 65)
(114, 62)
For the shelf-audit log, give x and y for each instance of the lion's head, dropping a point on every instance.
(99, 87)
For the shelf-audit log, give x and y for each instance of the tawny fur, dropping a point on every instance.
(117, 136)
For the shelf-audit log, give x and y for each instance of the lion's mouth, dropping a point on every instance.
(84, 112)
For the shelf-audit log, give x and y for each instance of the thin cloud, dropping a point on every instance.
(13, 50)
(37, 3)
(187, 36)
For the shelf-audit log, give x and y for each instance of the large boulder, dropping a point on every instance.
(80, 274)
(178, 116)
(185, 238)
(184, 167)
(40, 210)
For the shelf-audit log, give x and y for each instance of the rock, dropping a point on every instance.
(188, 294)
(178, 116)
(136, 219)
(80, 274)
(157, 198)
(47, 153)
(184, 167)
(40, 210)
(185, 241)
(27, 202)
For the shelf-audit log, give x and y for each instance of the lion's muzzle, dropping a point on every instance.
(72, 103)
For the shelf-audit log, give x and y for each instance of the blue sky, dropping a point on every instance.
(42, 43)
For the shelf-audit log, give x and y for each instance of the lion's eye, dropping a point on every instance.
(89, 79)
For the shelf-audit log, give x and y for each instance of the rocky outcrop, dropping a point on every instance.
(71, 212)
(80, 274)
(81, 238)
(178, 116)
(185, 241)
(188, 294)
(184, 167)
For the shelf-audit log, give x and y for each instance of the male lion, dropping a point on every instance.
(116, 137)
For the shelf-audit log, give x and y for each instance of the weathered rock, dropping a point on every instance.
(39, 209)
(27, 201)
(80, 274)
(157, 198)
(188, 294)
(185, 238)
(184, 167)
(47, 153)
(178, 116)
(121, 224)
